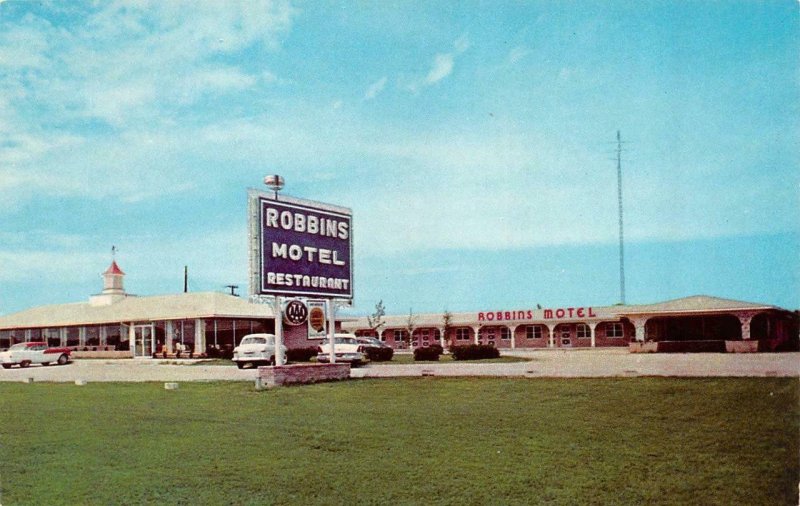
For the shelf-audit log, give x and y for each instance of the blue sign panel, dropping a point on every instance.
(306, 249)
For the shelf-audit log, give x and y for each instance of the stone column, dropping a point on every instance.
(514, 336)
(199, 337)
(640, 325)
(441, 336)
(132, 338)
(170, 331)
(82, 337)
(551, 343)
(477, 333)
(592, 327)
(745, 318)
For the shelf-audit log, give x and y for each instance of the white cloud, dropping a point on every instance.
(516, 54)
(375, 88)
(442, 66)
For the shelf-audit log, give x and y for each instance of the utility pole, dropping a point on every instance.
(621, 237)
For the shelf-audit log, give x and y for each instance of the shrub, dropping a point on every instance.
(437, 347)
(428, 353)
(301, 354)
(379, 354)
(474, 352)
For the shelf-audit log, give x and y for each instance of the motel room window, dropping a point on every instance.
(462, 334)
(583, 331)
(614, 330)
(399, 335)
(533, 332)
(505, 333)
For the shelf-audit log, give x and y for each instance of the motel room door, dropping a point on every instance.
(144, 340)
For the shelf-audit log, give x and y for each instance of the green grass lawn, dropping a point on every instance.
(404, 441)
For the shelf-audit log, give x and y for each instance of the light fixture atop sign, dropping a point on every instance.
(274, 183)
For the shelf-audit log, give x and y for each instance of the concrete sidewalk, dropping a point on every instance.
(540, 364)
(605, 363)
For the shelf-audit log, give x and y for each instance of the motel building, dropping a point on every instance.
(116, 324)
(727, 325)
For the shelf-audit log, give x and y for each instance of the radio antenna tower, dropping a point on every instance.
(621, 236)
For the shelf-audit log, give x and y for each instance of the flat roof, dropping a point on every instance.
(136, 309)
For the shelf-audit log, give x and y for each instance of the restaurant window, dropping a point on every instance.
(505, 333)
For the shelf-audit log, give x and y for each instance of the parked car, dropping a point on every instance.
(375, 349)
(25, 354)
(347, 349)
(372, 342)
(256, 349)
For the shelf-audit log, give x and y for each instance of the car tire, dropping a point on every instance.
(63, 359)
(7, 366)
(24, 364)
(240, 365)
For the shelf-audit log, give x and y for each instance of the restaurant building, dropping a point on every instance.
(115, 323)
(742, 326)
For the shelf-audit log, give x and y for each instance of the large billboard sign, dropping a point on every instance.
(300, 248)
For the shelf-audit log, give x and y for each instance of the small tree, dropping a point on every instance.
(411, 324)
(375, 320)
(447, 324)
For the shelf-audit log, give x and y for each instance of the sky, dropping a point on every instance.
(474, 141)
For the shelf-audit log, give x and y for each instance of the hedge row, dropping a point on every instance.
(474, 352)
(379, 354)
(301, 354)
(428, 353)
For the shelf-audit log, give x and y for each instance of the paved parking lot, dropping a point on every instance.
(541, 363)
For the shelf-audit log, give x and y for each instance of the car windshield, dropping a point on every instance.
(254, 340)
(19, 346)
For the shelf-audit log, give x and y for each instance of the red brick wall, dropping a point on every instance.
(303, 373)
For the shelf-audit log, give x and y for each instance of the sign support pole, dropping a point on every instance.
(279, 330)
(331, 329)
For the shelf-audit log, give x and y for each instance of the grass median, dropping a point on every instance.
(404, 441)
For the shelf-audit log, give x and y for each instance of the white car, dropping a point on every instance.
(257, 349)
(25, 354)
(347, 349)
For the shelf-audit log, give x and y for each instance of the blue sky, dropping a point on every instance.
(473, 141)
